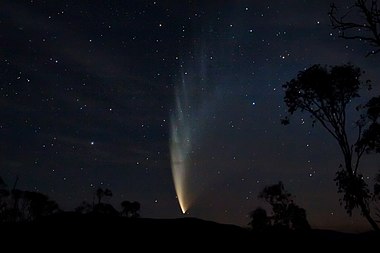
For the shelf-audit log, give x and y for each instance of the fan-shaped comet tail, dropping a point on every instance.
(180, 145)
(192, 106)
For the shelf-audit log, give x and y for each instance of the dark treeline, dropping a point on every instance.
(24, 206)
(20, 206)
(285, 214)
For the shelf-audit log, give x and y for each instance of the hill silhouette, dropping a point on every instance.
(101, 231)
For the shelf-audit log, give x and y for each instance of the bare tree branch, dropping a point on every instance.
(365, 29)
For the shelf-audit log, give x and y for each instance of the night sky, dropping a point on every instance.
(88, 90)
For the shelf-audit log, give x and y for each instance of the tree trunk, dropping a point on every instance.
(367, 215)
(363, 206)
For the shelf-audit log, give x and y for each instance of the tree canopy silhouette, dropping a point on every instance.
(17, 205)
(371, 136)
(100, 193)
(376, 193)
(130, 209)
(84, 208)
(361, 21)
(259, 220)
(325, 93)
(285, 213)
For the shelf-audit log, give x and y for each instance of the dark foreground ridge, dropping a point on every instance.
(96, 231)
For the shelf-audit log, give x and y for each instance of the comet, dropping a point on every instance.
(195, 100)
(180, 148)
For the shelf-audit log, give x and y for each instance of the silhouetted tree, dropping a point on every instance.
(279, 199)
(370, 141)
(2, 183)
(100, 193)
(259, 220)
(107, 193)
(84, 208)
(297, 217)
(105, 209)
(376, 195)
(17, 205)
(377, 187)
(15, 213)
(361, 21)
(4, 201)
(285, 213)
(130, 209)
(37, 205)
(325, 94)
(99, 207)
(25, 206)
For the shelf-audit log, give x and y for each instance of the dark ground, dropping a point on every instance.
(75, 232)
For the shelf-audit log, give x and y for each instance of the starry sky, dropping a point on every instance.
(88, 89)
